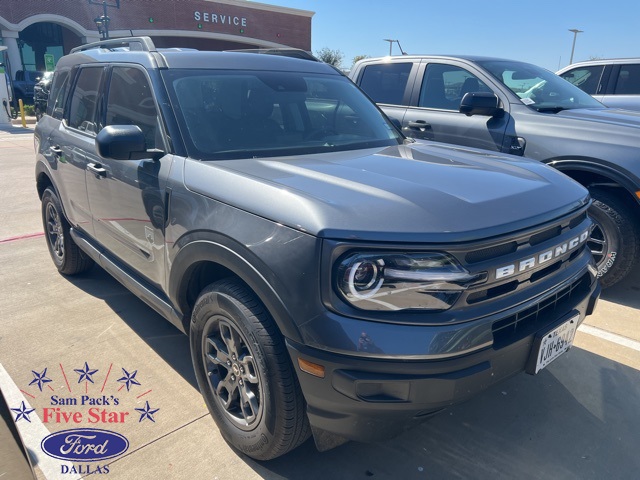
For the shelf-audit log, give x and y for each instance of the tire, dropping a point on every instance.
(244, 372)
(66, 255)
(614, 242)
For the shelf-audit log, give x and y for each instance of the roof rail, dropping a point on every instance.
(137, 44)
(284, 52)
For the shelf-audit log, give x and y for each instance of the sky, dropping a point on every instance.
(534, 31)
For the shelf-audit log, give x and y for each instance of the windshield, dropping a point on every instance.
(539, 88)
(244, 114)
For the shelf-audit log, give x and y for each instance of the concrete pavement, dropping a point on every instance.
(576, 419)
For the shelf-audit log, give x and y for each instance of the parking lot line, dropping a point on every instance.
(611, 337)
(22, 237)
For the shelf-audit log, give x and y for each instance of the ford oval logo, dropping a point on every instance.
(84, 445)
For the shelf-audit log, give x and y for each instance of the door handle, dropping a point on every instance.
(420, 124)
(56, 150)
(97, 169)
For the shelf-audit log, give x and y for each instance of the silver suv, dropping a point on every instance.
(614, 82)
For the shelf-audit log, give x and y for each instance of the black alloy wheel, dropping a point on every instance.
(245, 373)
(66, 255)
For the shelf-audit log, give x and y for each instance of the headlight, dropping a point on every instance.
(402, 281)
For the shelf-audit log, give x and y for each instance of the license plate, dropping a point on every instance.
(556, 342)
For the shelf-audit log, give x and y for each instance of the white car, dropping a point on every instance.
(614, 82)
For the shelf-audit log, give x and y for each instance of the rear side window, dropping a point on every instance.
(628, 80)
(585, 78)
(130, 102)
(55, 103)
(84, 99)
(386, 83)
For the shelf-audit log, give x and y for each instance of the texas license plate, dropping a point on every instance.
(555, 343)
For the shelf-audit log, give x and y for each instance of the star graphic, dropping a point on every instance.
(23, 412)
(85, 374)
(129, 379)
(147, 412)
(40, 378)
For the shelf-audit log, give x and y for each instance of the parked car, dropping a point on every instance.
(41, 94)
(614, 82)
(24, 83)
(521, 109)
(334, 277)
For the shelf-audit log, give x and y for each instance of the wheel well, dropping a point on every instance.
(42, 183)
(197, 277)
(596, 180)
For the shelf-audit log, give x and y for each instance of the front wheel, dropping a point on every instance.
(244, 372)
(614, 242)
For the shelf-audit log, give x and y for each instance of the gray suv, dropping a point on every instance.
(334, 277)
(520, 109)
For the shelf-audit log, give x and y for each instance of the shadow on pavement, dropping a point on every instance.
(576, 420)
(166, 340)
(15, 130)
(627, 292)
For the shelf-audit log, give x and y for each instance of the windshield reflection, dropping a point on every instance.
(539, 88)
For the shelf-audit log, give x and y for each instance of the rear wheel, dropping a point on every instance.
(614, 241)
(66, 255)
(244, 372)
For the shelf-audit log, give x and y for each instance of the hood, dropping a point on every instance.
(615, 117)
(410, 193)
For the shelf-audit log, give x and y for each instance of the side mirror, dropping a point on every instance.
(124, 142)
(481, 103)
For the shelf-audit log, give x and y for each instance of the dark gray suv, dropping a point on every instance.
(334, 277)
(521, 109)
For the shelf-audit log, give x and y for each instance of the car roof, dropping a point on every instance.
(469, 58)
(609, 61)
(142, 51)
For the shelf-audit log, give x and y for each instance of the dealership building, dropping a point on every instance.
(33, 30)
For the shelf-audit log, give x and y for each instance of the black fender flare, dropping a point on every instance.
(600, 167)
(218, 249)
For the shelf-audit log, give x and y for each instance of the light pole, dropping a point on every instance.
(573, 47)
(102, 22)
(391, 42)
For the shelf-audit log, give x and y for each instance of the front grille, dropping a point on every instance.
(496, 251)
(491, 252)
(528, 321)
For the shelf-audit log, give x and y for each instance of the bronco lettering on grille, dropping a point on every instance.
(541, 258)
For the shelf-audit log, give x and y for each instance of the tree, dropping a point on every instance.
(330, 56)
(357, 58)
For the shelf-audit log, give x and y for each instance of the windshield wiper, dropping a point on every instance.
(551, 109)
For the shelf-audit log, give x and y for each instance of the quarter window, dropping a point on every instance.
(585, 78)
(82, 112)
(386, 83)
(130, 102)
(444, 86)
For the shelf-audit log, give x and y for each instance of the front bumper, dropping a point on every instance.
(365, 398)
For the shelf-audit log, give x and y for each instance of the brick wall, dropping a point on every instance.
(283, 26)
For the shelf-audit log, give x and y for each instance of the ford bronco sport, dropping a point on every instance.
(334, 277)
